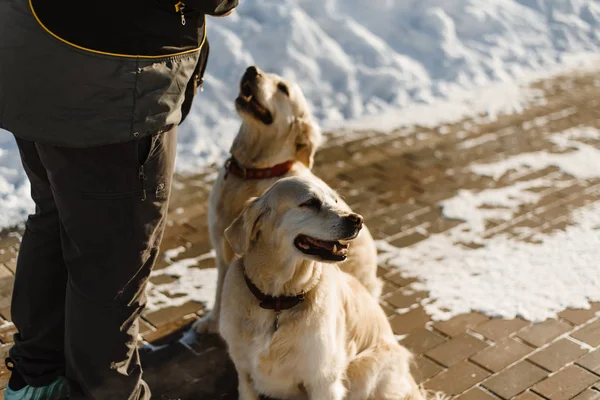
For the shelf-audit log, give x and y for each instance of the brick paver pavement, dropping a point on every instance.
(396, 181)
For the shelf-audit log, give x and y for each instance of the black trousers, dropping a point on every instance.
(84, 262)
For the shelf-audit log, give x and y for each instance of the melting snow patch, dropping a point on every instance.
(580, 160)
(191, 284)
(476, 208)
(173, 253)
(507, 278)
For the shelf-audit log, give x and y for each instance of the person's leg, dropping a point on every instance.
(112, 201)
(38, 301)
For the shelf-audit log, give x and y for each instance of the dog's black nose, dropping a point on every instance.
(355, 219)
(251, 72)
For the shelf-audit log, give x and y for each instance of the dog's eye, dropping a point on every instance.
(283, 88)
(312, 203)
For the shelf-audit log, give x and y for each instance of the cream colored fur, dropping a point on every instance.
(293, 135)
(338, 343)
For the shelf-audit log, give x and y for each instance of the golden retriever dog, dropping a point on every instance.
(296, 326)
(277, 138)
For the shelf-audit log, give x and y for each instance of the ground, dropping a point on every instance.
(396, 182)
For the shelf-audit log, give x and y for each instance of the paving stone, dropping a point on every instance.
(457, 379)
(177, 373)
(442, 225)
(170, 331)
(476, 393)
(161, 263)
(388, 289)
(578, 317)
(420, 340)
(558, 354)
(528, 395)
(7, 333)
(169, 314)
(162, 279)
(566, 383)
(198, 248)
(460, 323)
(544, 332)
(456, 349)
(408, 240)
(496, 328)
(399, 280)
(515, 379)
(11, 265)
(389, 311)
(588, 394)
(382, 270)
(405, 323)
(4, 376)
(589, 334)
(7, 254)
(4, 349)
(202, 343)
(145, 327)
(5, 272)
(423, 369)
(405, 298)
(502, 354)
(591, 361)
(10, 237)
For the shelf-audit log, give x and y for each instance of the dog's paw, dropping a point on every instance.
(206, 324)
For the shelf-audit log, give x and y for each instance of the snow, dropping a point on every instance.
(190, 283)
(370, 64)
(507, 277)
(173, 253)
(582, 160)
(498, 204)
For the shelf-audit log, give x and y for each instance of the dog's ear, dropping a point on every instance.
(308, 139)
(245, 228)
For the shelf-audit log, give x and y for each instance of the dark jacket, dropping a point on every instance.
(148, 27)
(93, 73)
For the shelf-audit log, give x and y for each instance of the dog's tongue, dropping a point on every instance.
(257, 106)
(319, 243)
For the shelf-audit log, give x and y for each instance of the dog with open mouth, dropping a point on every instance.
(296, 326)
(277, 138)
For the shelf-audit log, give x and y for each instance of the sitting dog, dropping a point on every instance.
(277, 139)
(296, 326)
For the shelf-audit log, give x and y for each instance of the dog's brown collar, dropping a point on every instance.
(233, 166)
(275, 303)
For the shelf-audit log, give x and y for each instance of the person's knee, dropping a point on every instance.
(112, 280)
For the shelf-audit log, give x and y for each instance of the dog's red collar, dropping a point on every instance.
(233, 166)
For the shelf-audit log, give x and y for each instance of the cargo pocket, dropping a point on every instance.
(144, 150)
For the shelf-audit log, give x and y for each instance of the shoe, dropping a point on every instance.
(17, 389)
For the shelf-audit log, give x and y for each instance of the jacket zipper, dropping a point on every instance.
(179, 7)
